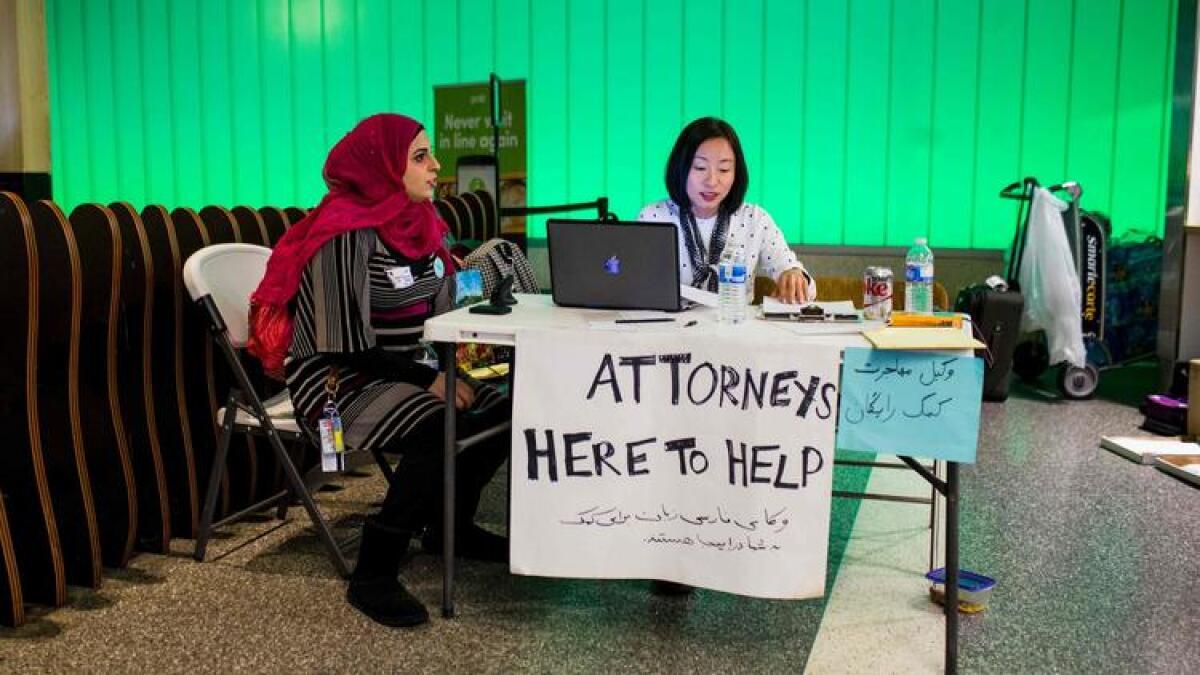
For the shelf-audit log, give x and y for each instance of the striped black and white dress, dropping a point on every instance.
(361, 308)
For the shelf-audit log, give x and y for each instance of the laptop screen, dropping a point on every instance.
(614, 265)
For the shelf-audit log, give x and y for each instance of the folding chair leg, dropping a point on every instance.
(281, 511)
(306, 500)
(284, 504)
(214, 480)
(388, 472)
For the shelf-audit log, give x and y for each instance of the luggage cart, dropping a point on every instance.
(1088, 241)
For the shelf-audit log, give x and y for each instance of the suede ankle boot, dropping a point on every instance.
(670, 588)
(374, 588)
(470, 541)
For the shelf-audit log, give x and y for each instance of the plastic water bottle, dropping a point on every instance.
(731, 285)
(918, 278)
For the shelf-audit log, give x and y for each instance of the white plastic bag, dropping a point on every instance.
(1050, 283)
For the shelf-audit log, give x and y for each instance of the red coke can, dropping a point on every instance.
(877, 293)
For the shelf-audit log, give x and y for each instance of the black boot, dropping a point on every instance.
(477, 466)
(670, 588)
(374, 589)
(470, 541)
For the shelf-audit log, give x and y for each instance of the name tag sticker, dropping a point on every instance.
(401, 277)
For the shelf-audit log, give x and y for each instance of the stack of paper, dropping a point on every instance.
(921, 338)
(772, 306)
(1183, 467)
(1143, 449)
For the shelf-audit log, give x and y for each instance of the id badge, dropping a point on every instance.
(332, 447)
(401, 277)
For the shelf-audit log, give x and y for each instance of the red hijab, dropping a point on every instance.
(364, 172)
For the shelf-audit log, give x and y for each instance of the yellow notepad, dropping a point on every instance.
(921, 338)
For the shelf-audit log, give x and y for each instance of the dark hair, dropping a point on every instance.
(680, 163)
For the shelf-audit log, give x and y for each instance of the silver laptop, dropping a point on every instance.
(614, 265)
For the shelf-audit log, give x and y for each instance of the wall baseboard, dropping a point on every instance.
(955, 268)
(30, 186)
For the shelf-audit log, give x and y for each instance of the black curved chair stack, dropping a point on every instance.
(110, 402)
(112, 421)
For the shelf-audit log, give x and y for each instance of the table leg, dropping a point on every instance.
(951, 567)
(448, 358)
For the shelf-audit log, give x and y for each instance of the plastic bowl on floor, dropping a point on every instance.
(974, 589)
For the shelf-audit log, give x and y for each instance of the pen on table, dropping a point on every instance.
(662, 320)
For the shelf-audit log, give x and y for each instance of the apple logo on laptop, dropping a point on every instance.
(613, 265)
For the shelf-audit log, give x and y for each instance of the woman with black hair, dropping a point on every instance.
(706, 183)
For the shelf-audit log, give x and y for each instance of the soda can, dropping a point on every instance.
(877, 293)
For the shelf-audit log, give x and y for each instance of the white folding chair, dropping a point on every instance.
(220, 278)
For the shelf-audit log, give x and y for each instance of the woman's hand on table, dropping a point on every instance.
(791, 287)
(464, 394)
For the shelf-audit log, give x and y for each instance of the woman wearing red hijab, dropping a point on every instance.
(353, 284)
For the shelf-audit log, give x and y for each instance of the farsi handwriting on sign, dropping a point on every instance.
(774, 519)
(662, 538)
(744, 543)
(881, 372)
(607, 517)
(751, 525)
(603, 518)
(938, 372)
(930, 406)
(727, 544)
(662, 515)
(879, 406)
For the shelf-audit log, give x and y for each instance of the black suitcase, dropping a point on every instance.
(996, 315)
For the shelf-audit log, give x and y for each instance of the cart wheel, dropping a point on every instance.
(1030, 360)
(1077, 383)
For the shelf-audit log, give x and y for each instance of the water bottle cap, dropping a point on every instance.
(920, 241)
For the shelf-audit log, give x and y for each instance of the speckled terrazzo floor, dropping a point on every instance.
(1097, 559)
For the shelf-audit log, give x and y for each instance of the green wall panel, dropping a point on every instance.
(1089, 151)
(783, 113)
(1139, 163)
(216, 96)
(307, 74)
(188, 149)
(248, 140)
(662, 99)
(340, 38)
(476, 53)
(742, 74)
(587, 80)
(276, 103)
(952, 145)
(998, 121)
(910, 106)
(546, 116)
(868, 90)
(864, 122)
(1047, 86)
(703, 43)
(624, 176)
(372, 55)
(824, 125)
(404, 70)
(440, 39)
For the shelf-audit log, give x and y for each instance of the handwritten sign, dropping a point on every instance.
(920, 404)
(637, 455)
